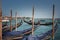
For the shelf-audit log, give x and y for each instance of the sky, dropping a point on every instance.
(42, 8)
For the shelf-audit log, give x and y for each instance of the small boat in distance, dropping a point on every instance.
(5, 20)
(30, 22)
(4, 23)
(38, 23)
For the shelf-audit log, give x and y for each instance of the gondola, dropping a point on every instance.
(38, 23)
(4, 23)
(7, 28)
(22, 30)
(42, 33)
(30, 22)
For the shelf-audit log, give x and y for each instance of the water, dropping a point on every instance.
(24, 26)
(40, 29)
(13, 22)
(57, 34)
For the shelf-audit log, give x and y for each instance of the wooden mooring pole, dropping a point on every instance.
(33, 20)
(0, 24)
(53, 22)
(11, 20)
(16, 20)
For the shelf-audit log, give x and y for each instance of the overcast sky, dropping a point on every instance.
(43, 8)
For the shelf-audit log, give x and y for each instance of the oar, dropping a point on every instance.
(33, 20)
(10, 20)
(53, 22)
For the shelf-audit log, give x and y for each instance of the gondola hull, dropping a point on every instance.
(19, 33)
(43, 35)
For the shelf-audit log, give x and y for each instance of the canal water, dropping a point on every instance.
(25, 26)
(57, 34)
